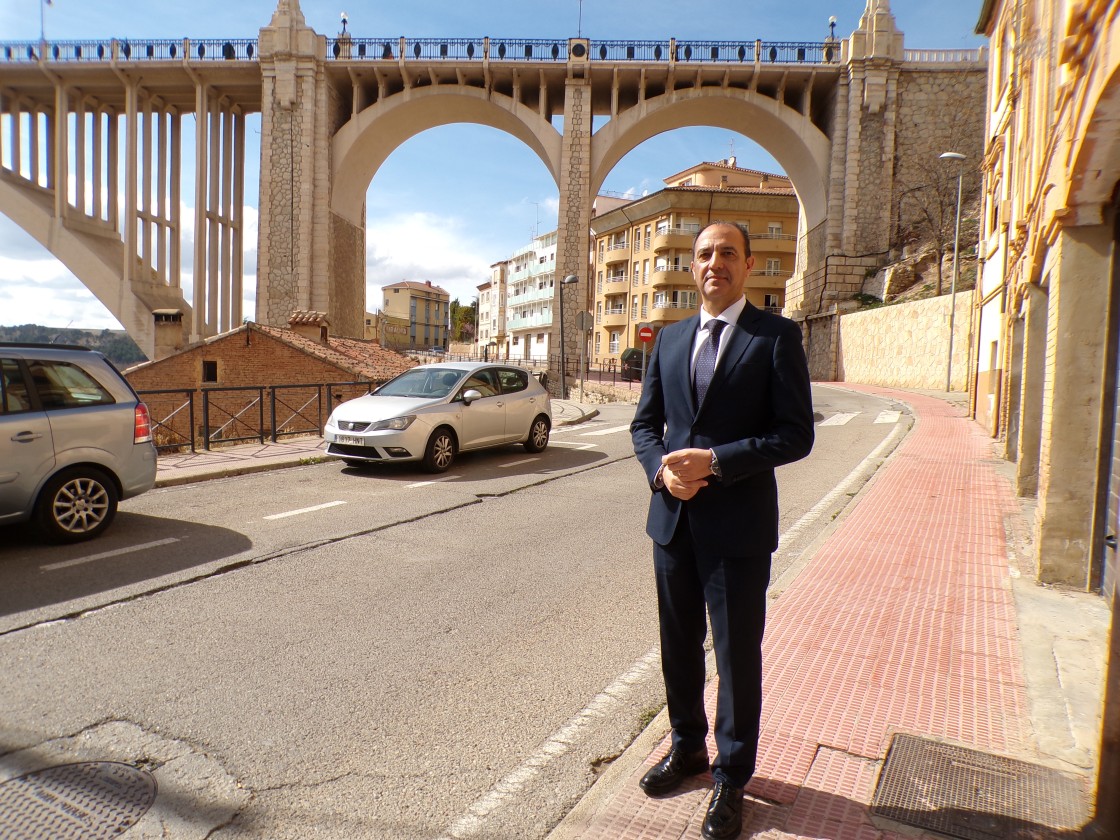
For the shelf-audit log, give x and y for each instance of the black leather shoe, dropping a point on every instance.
(724, 819)
(668, 773)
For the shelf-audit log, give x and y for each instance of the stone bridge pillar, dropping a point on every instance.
(573, 246)
(308, 257)
(862, 186)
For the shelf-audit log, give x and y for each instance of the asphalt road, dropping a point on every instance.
(324, 652)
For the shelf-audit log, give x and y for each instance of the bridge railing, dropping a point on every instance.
(946, 56)
(143, 49)
(525, 49)
(461, 49)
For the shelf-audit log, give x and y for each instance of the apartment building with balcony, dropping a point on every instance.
(490, 337)
(642, 251)
(426, 307)
(521, 302)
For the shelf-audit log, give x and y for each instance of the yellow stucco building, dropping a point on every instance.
(425, 307)
(642, 249)
(1045, 323)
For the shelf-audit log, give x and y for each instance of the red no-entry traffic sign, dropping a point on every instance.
(645, 333)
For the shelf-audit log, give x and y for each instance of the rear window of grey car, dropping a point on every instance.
(513, 380)
(13, 391)
(64, 385)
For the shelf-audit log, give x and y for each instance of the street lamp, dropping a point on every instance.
(959, 158)
(567, 281)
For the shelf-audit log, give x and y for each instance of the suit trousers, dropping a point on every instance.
(733, 589)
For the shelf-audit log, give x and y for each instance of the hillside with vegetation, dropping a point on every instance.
(115, 344)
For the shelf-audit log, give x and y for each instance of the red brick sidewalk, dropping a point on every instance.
(903, 621)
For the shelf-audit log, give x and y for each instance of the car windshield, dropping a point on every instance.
(430, 383)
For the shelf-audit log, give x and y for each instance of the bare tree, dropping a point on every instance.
(926, 186)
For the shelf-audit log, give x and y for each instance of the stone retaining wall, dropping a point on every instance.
(906, 345)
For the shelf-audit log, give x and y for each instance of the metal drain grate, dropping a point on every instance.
(976, 796)
(87, 801)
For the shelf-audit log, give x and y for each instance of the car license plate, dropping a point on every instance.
(350, 439)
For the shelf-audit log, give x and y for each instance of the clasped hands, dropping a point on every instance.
(684, 471)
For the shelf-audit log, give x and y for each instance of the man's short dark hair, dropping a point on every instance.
(746, 234)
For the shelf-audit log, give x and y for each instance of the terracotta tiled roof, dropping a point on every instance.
(417, 286)
(723, 164)
(727, 189)
(366, 359)
(309, 316)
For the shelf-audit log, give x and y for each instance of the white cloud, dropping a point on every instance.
(425, 246)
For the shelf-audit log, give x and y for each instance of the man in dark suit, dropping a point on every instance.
(725, 400)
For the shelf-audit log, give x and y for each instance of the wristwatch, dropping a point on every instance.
(714, 466)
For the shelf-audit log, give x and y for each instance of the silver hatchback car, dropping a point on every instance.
(432, 412)
(74, 440)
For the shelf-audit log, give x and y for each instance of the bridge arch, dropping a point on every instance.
(94, 254)
(363, 144)
(800, 147)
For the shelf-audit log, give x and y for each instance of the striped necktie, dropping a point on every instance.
(706, 359)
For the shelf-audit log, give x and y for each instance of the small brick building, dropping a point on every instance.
(255, 359)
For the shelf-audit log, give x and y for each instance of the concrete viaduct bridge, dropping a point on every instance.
(92, 143)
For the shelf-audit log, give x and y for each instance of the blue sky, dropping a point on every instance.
(472, 195)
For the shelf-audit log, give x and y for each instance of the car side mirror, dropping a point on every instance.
(470, 395)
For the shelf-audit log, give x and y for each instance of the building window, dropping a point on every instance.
(209, 371)
(615, 342)
(772, 302)
(773, 265)
(774, 228)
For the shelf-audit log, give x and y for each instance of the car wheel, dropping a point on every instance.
(538, 435)
(440, 452)
(77, 504)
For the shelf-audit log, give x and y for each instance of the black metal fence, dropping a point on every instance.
(185, 419)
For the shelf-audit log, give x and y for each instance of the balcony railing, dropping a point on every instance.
(529, 321)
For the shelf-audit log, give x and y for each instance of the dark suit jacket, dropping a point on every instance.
(757, 415)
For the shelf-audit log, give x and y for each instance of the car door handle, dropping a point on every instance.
(26, 437)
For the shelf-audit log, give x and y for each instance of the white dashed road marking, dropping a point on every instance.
(311, 509)
(50, 567)
(838, 419)
(612, 430)
(432, 481)
(572, 444)
(888, 416)
(517, 463)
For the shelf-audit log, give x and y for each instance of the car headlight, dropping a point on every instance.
(396, 424)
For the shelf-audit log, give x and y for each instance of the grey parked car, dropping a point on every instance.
(74, 440)
(433, 412)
